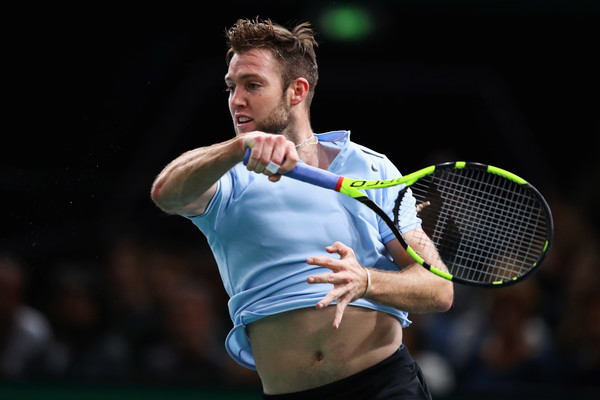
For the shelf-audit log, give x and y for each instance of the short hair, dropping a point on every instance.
(295, 49)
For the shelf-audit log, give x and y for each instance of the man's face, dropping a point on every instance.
(256, 99)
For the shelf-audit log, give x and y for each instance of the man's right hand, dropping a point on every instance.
(268, 148)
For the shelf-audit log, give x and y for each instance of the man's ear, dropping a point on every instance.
(298, 90)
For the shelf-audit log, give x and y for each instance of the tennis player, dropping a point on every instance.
(320, 288)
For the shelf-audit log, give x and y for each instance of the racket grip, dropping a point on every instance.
(306, 173)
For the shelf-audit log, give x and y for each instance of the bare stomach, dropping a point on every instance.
(300, 350)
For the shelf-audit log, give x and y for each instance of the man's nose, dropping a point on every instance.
(237, 98)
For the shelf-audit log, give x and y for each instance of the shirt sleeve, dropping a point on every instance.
(407, 211)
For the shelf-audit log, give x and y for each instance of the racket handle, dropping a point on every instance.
(306, 173)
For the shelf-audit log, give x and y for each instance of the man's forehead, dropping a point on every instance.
(252, 62)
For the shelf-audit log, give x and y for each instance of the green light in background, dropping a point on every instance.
(347, 23)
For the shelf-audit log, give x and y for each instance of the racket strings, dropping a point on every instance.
(513, 208)
(490, 236)
(485, 227)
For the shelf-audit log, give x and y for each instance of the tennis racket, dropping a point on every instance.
(487, 226)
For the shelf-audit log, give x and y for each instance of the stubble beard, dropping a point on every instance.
(278, 121)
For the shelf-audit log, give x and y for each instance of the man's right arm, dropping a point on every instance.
(187, 184)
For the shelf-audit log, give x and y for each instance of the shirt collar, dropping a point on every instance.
(342, 137)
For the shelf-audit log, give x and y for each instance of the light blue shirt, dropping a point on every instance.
(261, 234)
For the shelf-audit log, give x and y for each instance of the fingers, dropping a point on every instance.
(341, 249)
(323, 278)
(347, 278)
(290, 158)
(326, 262)
(264, 150)
(342, 303)
(339, 311)
(421, 206)
(271, 155)
(346, 254)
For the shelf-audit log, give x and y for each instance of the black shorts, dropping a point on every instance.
(396, 377)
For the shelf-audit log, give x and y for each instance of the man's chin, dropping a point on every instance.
(242, 130)
(246, 128)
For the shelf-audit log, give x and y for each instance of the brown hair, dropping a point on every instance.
(294, 49)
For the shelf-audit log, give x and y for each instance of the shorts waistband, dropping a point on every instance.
(400, 357)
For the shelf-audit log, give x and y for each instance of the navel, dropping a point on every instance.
(319, 356)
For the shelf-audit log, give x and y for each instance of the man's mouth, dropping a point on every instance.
(243, 120)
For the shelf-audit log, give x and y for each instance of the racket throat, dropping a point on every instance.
(338, 185)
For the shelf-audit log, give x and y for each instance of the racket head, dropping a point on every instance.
(488, 226)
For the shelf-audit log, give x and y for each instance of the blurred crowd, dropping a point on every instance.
(148, 312)
(540, 337)
(151, 311)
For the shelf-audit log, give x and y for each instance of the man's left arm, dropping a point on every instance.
(412, 288)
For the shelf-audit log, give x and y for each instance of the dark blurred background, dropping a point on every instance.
(102, 294)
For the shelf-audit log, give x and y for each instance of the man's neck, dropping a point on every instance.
(311, 152)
